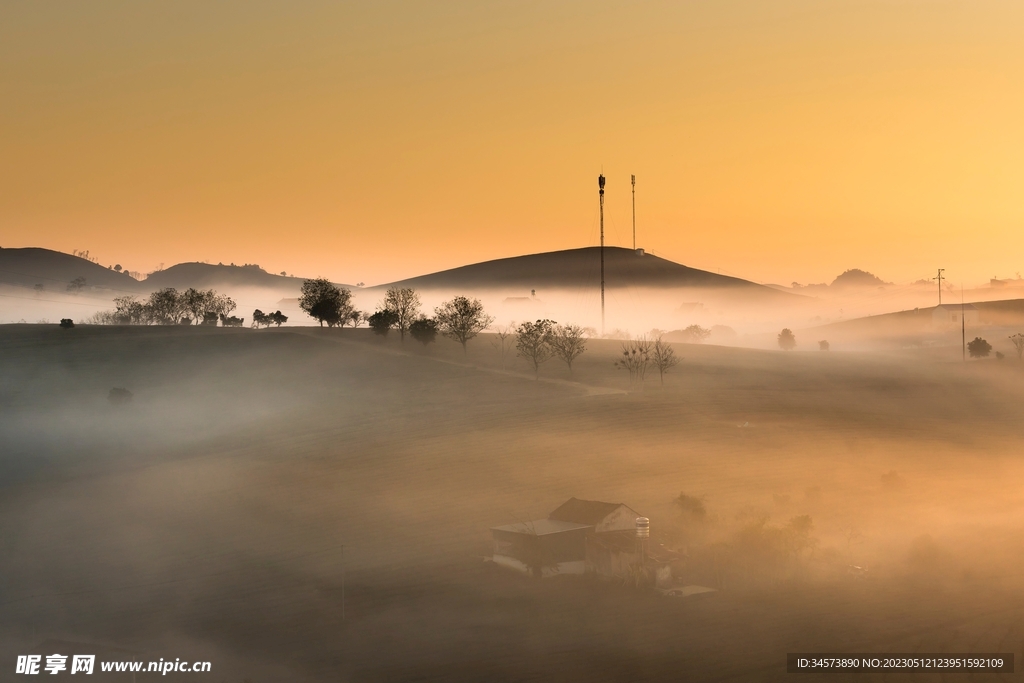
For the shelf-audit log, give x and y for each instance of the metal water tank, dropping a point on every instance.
(643, 527)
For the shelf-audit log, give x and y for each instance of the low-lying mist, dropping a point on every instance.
(835, 501)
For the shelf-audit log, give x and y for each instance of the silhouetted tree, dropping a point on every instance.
(1018, 343)
(76, 285)
(533, 342)
(260, 318)
(381, 322)
(129, 311)
(423, 330)
(568, 343)
(67, 323)
(196, 302)
(663, 357)
(231, 321)
(461, 319)
(278, 318)
(405, 304)
(164, 307)
(787, 340)
(823, 345)
(695, 334)
(979, 348)
(210, 318)
(325, 302)
(357, 317)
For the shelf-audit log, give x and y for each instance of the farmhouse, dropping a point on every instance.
(577, 537)
(948, 315)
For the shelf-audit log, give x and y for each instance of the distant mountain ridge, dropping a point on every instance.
(55, 270)
(577, 269)
(571, 269)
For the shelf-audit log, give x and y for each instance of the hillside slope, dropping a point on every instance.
(54, 270)
(206, 275)
(578, 269)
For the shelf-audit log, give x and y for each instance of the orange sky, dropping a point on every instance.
(777, 140)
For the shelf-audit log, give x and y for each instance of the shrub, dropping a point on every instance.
(67, 323)
(381, 322)
(423, 330)
(979, 348)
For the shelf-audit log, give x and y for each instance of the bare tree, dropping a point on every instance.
(1018, 343)
(461, 319)
(636, 354)
(405, 304)
(504, 337)
(567, 342)
(532, 342)
(663, 357)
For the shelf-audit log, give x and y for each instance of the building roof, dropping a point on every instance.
(588, 512)
(956, 307)
(541, 527)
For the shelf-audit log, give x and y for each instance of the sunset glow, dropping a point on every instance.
(774, 141)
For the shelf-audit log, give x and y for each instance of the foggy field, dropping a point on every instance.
(205, 518)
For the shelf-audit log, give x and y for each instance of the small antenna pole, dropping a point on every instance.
(939, 278)
(963, 326)
(632, 179)
(600, 188)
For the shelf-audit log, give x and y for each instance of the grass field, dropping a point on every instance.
(206, 518)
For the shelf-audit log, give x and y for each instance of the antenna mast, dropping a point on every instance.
(939, 278)
(600, 187)
(963, 327)
(632, 179)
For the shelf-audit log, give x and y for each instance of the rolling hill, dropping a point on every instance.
(919, 323)
(31, 266)
(205, 276)
(54, 270)
(580, 269)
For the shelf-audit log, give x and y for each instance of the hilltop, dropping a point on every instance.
(575, 269)
(54, 270)
(206, 275)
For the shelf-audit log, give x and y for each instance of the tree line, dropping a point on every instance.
(461, 319)
(171, 307)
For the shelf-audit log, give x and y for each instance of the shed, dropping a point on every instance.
(543, 547)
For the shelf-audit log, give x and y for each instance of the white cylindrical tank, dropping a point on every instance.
(643, 527)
